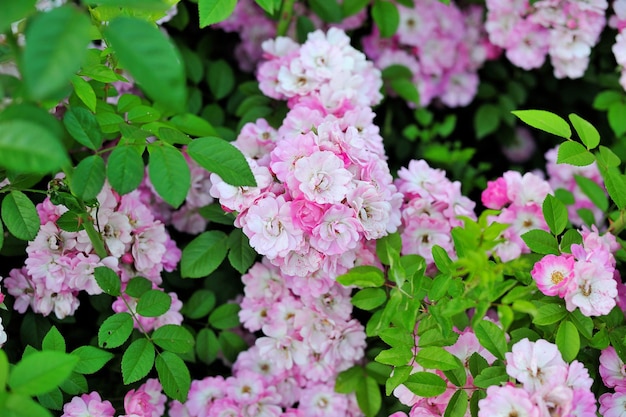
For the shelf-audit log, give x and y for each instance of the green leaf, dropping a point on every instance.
(75, 384)
(368, 396)
(386, 17)
(600, 340)
(573, 153)
(604, 99)
(231, 345)
(477, 363)
(92, 359)
(85, 92)
(425, 384)
(20, 215)
(149, 49)
(218, 156)
(583, 323)
(221, 78)
(84, 127)
(18, 405)
(28, 147)
(169, 174)
(268, 5)
(615, 183)
(56, 44)
(70, 222)
(199, 305)
(115, 330)
(173, 338)
(570, 237)
(568, 340)
(457, 405)
(434, 357)
(138, 286)
(587, 133)
(617, 121)
(542, 242)
(225, 316)
(215, 11)
(125, 169)
(327, 10)
(397, 377)
(486, 120)
(108, 280)
(491, 337)
(352, 7)
(173, 136)
(12, 11)
(396, 356)
(406, 89)
(53, 341)
(369, 298)
(204, 254)
(546, 121)
(207, 346)
(1, 235)
(173, 375)
(137, 360)
(607, 157)
(555, 214)
(88, 178)
(193, 125)
(154, 303)
(41, 372)
(348, 380)
(52, 400)
(549, 314)
(592, 190)
(362, 276)
(494, 375)
(240, 255)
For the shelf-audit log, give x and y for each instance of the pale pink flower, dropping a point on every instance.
(88, 405)
(595, 289)
(337, 231)
(507, 401)
(613, 404)
(553, 274)
(322, 177)
(612, 369)
(535, 364)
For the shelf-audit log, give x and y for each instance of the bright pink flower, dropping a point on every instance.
(495, 195)
(554, 274)
(507, 401)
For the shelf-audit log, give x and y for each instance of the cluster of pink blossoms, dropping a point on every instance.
(549, 385)
(60, 264)
(586, 278)
(519, 199)
(431, 208)
(253, 26)
(564, 176)
(146, 401)
(442, 45)
(309, 337)
(564, 29)
(465, 346)
(618, 21)
(613, 373)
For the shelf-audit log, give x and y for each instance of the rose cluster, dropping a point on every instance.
(566, 30)
(441, 44)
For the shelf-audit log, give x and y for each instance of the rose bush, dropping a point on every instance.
(306, 209)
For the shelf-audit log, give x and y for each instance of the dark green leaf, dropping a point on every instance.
(221, 78)
(549, 314)
(486, 120)
(368, 396)
(88, 178)
(218, 156)
(215, 11)
(348, 380)
(604, 99)
(56, 44)
(125, 169)
(615, 183)
(41, 372)
(568, 340)
(70, 222)
(92, 359)
(352, 7)
(138, 286)
(240, 254)
(231, 344)
(406, 89)
(149, 49)
(199, 305)
(174, 338)
(137, 360)
(75, 384)
(207, 346)
(52, 400)
(204, 254)
(18, 405)
(20, 215)
(108, 280)
(154, 303)
(583, 323)
(494, 375)
(84, 127)
(570, 237)
(225, 316)
(327, 10)
(169, 174)
(115, 330)
(546, 121)
(173, 375)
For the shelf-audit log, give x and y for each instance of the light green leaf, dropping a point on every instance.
(204, 254)
(41, 372)
(546, 121)
(85, 92)
(92, 359)
(369, 298)
(362, 276)
(193, 125)
(406, 89)
(397, 377)
(568, 340)
(240, 253)
(493, 375)
(604, 99)
(28, 147)
(169, 174)
(149, 50)
(583, 323)
(108, 280)
(225, 316)
(154, 303)
(18, 405)
(457, 406)
(592, 190)
(138, 286)
(587, 133)
(549, 314)
(12, 11)
(542, 242)
(425, 384)
(386, 17)
(574, 153)
(115, 330)
(555, 214)
(491, 337)
(434, 357)
(348, 380)
(396, 356)
(88, 178)
(20, 215)
(125, 169)
(173, 338)
(617, 121)
(218, 156)
(173, 375)
(56, 44)
(137, 360)
(615, 183)
(215, 11)
(368, 396)
(606, 157)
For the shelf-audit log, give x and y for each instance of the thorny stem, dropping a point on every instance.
(286, 13)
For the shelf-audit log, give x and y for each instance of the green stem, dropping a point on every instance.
(619, 224)
(95, 238)
(286, 12)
